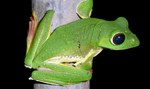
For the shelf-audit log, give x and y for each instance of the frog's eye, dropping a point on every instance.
(118, 38)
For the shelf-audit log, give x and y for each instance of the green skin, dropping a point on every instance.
(65, 56)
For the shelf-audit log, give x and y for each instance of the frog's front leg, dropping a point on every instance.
(60, 74)
(84, 8)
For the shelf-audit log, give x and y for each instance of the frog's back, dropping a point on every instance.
(64, 39)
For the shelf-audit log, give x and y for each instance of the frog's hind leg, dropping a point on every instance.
(61, 75)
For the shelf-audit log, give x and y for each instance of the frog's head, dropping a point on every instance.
(117, 36)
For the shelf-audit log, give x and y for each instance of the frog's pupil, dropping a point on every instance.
(118, 38)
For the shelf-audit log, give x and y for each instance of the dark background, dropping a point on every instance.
(115, 69)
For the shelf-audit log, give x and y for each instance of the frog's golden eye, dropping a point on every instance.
(118, 38)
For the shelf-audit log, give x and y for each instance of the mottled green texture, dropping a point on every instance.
(66, 56)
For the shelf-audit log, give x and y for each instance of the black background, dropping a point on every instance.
(115, 69)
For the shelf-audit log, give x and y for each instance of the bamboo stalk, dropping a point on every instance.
(65, 12)
(84, 85)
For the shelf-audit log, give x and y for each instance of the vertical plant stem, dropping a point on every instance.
(65, 12)
(84, 85)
